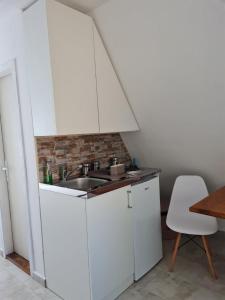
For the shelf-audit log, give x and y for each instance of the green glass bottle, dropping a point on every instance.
(48, 179)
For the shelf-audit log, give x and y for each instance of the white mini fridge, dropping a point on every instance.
(147, 226)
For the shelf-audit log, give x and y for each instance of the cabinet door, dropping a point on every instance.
(115, 113)
(61, 69)
(65, 245)
(147, 226)
(39, 72)
(110, 244)
(73, 69)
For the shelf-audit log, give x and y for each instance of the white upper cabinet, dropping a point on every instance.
(115, 113)
(73, 86)
(61, 69)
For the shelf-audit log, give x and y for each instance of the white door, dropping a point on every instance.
(147, 226)
(13, 159)
(6, 243)
(110, 243)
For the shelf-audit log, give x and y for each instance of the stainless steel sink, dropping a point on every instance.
(83, 183)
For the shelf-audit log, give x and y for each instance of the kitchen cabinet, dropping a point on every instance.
(115, 113)
(61, 69)
(72, 84)
(146, 225)
(110, 243)
(65, 245)
(95, 247)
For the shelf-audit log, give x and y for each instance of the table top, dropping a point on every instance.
(213, 205)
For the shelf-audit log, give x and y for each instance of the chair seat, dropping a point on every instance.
(195, 224)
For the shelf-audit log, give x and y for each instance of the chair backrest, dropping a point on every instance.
(187, 190)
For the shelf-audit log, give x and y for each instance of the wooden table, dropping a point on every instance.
(213, 205)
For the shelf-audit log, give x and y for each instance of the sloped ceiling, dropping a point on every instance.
(82, 5)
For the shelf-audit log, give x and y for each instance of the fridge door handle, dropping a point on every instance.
(5, 169)
(129, 199)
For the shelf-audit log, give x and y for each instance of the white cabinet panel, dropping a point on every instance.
(147, 226)
(115, 114)
(110, 241)
(61, 69)
(73, 69)
(39, 69)
(65, 245)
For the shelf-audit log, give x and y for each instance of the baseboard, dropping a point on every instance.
(2, 253)
(39, 278)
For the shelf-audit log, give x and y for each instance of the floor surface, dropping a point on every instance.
(189, 281)
(17, 285)
(19, 261)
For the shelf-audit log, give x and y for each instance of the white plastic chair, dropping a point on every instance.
(187, 191)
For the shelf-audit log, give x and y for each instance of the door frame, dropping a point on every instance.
(10, 68)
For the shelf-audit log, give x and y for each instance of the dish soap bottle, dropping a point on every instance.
(48, 173)
(133, 166)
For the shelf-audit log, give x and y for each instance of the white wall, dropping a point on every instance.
(170, 57)
(11, 46)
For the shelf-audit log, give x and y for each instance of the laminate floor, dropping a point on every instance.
(20, 262)
(189, 281)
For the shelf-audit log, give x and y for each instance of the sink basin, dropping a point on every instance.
(83, 183)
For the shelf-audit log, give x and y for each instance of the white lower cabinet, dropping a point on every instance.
(147, 226)
(95, 248)
(110, 242)
(65, 245)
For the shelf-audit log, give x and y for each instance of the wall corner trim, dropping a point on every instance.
(39, 278)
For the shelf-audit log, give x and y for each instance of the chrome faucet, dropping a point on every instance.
(85, 169)
(64, 174)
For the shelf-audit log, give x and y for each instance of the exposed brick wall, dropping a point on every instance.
(78, 149)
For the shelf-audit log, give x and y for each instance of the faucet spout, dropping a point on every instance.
(65, 174)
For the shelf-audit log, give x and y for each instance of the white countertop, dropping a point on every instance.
(62, 190)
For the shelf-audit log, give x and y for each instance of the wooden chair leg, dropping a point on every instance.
(174, 255)
(209, 256)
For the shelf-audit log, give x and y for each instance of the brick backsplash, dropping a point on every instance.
(74, 150)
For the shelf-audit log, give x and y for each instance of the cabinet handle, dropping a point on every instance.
(147, 188)
(129, 200)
